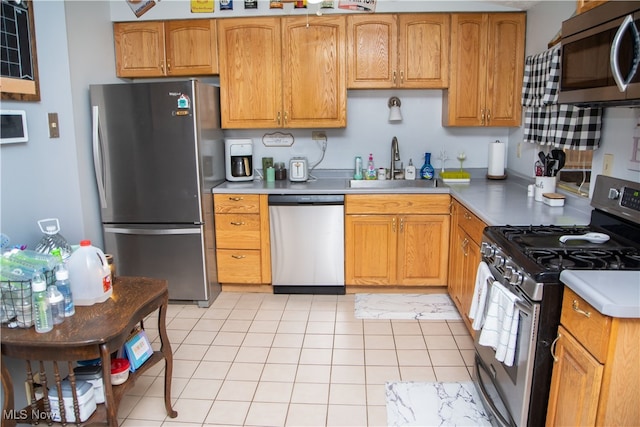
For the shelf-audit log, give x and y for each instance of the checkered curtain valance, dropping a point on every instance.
(546, 121)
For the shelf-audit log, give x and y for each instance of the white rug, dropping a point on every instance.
(405, 306)
(434, 404)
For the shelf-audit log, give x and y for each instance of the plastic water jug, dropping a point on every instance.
(89, 275)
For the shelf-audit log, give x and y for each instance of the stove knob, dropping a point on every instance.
(614, 193)
(508, 273)
(515, 278)
(487, 251)
(499, 261)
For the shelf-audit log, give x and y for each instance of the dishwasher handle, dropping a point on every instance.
(305, 199)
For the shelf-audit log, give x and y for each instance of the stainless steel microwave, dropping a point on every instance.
(601, 56)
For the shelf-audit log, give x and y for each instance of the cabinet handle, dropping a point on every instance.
(394, 77)
(279, 118)
(237, 223)
(286, 118)
(162, 67)
(553, 348)
(402, 77)
(401, 225)
(577, 309)
(168, 66)
(393, 225)
(236, 199)
(238, 256)
(464, 245)
(482, 117)
(488, 116)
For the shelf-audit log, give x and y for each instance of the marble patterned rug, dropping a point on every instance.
(405, 306)
(434, 404)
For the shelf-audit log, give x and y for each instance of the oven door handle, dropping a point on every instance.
(518, 303)
(484, 395)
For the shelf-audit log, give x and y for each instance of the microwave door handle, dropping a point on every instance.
(622, 82)
(97, 157)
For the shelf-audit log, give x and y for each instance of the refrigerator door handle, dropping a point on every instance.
(155, 231)
(97, 158)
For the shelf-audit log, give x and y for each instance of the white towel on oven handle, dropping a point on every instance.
(500, 329)
(478, 303)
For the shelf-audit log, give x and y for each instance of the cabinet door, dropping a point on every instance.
(423, 244)
(314, 72)
(250, 72)
(370, 249)
(191, 47)
(424, 50)
(575, 384)
(584, 5)
(372, 51)
(470, 260)
(465, 101)
(505, 67)
(139, 49)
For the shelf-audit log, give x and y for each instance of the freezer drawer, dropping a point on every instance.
(174, 253)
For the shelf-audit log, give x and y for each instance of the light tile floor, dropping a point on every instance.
(290, 360)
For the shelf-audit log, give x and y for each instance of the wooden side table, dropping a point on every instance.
(93, 332)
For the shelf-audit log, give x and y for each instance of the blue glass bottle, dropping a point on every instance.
(426, 171)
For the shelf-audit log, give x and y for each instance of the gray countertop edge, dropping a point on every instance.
(612, 293)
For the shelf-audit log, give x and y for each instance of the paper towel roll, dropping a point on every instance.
(496, 159)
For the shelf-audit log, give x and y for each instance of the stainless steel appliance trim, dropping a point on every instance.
(487, 401)
(623, 82)
(97, 158)
(155, 231)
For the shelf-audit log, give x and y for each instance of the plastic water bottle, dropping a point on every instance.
(56, 302)
(64, 286)
(89, 274)
(41, 309)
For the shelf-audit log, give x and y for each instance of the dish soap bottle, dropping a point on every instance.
(410, 171)
(426, 171)
(371, 168)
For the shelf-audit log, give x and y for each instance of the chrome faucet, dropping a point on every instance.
(395, 156)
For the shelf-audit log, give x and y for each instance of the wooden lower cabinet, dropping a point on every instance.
(464, 257)
(596, 375)
(396, 240)
(242, 238)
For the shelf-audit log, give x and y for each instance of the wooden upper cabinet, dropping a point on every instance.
(283, 72)
(584, 5)
(314, 72)
(404, 51)
(487, 65)
(139, 49)
(191, 47)
(250, 72)
(185, 47)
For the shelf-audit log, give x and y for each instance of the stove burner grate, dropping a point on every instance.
(585, 259)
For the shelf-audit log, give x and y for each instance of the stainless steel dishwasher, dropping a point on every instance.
(307, 243)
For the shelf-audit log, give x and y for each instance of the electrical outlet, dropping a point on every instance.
(318, 135)
(607, 164)
(54, 131)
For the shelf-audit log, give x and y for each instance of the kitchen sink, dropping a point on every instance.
(395, 183)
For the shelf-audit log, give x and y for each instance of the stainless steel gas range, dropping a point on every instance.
(527, 261)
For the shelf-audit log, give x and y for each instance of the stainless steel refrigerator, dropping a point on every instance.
(158, 150)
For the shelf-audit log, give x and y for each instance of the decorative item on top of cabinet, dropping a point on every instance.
(185, 47)
(283, 72)
(398, 50)
(596, 373)
(242, 239)
(396, 239)
(464, 257)
(487, 65)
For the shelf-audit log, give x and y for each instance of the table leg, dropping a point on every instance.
(165, 348)
(109, 399)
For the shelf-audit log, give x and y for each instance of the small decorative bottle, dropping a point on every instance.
(357, 173)
(426, 171)
(410, 171)
(42, 316)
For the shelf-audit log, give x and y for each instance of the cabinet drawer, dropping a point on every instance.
(589, 326)
(238, 231)
(397, 204)
(470, 223)
(236, 203)
(239, 266)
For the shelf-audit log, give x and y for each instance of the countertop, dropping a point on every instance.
(496, 202)
(613, 293)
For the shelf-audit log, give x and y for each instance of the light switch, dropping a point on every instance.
(54, 131)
